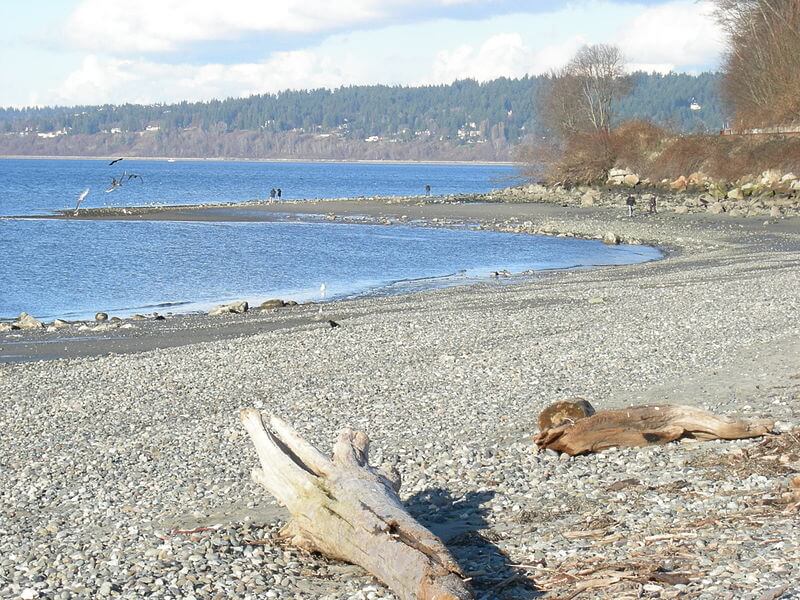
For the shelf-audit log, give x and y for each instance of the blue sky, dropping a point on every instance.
(96, 51)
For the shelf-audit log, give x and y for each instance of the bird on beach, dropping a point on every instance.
(333, 324)
(81, 198)
(322, 290)
(115, 161)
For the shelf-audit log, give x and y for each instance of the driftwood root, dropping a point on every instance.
(638, 426)
(345, 509)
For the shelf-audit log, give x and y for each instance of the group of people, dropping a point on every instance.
(651, 205)
(275, 193)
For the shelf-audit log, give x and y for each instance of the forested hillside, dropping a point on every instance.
(461, 121)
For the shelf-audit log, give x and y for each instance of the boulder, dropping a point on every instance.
(697, 179)
(717, 190)
(789, 178)
(239, 307)
(611, 238)
(617, 176)
(100, 317)
(59, 324)
(8, 327)
(748, 189)
(25, 321)
(590, 197)
(771, 177)
(679, 185)
(270, 304)
(631, 180)
(775, 212)
(236, 308)
(681, 210)
(735, 194)
(290, 303)
(597, 300)
(716, 208)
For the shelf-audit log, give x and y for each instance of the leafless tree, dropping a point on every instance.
(762, 82)
(580, 97)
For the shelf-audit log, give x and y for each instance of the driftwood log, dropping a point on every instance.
(346, 509)
(587, 431)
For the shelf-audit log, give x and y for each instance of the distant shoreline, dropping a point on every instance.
(266, 160)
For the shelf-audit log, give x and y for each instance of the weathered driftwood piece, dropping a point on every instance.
(643, 426)
(348, 510)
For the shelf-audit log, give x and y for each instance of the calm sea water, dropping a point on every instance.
(30, 187)
(71, 269)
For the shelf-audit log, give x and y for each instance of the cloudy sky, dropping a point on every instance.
(97, 51)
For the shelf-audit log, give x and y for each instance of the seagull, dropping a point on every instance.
(322, 289)
(81, 198)
(115, 183)
(133, 176)
(115, 161)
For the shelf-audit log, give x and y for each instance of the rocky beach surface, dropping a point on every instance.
(128, 475)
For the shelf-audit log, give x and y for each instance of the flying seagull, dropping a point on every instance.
(115, 161)
(115, 183)
(133, 176)
(81, 198)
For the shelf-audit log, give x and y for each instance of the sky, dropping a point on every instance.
(71, 52)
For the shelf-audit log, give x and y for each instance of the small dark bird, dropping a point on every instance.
(115, 161)
(333, 324)
(134, 176)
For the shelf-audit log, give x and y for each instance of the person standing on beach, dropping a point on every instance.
(279, 192)
(427, 189)
(631, 202)
(272, 193)
(653, 202)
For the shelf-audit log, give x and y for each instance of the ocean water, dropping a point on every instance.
(40, 186)
(71, 269)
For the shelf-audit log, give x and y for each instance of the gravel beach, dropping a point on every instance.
(128, 475)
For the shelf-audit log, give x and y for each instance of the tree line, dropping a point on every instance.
(502, 111)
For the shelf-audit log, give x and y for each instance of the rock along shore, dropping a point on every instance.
(128, 475)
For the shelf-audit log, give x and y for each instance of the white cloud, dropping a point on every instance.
(501, 55)
(676, 35)
(120, 26)
(112, 80)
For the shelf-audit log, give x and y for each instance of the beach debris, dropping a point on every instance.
(333, 324)
(348, 510)
(574, 431)
(8, 327)
(597, 300)
(100, 317)
(81, 198)
(25, 321)
(270, 304)
(236, 308)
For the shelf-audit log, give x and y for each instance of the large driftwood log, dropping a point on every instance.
(642, 426)
(348, 510)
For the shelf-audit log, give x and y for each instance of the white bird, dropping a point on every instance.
(81, 198)
(322, 289)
